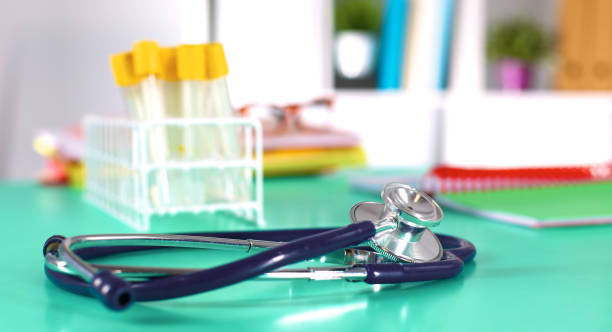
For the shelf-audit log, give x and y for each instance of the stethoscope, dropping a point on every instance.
(398, 250)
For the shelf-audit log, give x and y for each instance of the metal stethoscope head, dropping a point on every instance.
(397, 238)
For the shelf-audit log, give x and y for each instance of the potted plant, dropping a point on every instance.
(356, 28)
(515, 45)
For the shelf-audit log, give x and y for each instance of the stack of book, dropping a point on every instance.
(298, 138)
(310, 153)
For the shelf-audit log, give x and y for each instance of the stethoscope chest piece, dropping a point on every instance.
(399, 238)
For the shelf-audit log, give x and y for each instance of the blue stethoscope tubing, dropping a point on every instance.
(302, 244)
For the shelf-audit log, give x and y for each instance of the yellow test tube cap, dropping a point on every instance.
(215, 61)
(146, 58)
(123, 69)
(168, 64)
(190, 62)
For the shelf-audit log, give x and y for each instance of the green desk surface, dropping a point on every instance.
(521, 279)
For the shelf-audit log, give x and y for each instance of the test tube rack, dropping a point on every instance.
(121, 169)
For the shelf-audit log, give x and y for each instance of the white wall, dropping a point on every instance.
(484, 130)
(397, 129)
(54, 64)
(505, 130)
(278, 51)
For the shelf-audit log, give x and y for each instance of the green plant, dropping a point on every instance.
(362, 15)
(517, 39)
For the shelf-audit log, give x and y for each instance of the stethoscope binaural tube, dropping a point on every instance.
(456, 251)
(117, 294)
(390, 235)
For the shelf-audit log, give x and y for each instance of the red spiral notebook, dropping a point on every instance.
(532, 197)
(443, 179)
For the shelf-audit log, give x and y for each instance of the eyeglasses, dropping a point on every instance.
(312, 116)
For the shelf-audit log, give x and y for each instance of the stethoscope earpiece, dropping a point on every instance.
(398, 238)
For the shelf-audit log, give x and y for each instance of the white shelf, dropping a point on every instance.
(407, 128)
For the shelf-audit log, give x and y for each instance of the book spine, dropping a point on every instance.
(446, 38)
(392, 45)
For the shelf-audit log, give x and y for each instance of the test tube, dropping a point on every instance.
(171, 90)
(126, 79)
(238, 183)
(199, 141)
(146, 58)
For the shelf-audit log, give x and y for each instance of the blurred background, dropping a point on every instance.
(470, 83)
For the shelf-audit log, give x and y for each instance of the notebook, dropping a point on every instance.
(548, 206)
(444, 178)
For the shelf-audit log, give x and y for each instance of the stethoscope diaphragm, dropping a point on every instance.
(403, 240)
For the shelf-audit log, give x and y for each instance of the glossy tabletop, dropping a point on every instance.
(521, 279)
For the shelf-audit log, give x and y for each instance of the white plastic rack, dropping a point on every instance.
(138, 169)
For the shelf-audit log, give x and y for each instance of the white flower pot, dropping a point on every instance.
(355, 53)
